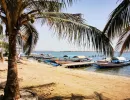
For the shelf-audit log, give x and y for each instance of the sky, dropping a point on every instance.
(95, 12)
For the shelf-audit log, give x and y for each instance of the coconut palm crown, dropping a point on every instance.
(19, 16)
(118, 25)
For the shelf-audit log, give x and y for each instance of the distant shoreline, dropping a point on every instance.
(73, 51)
(62, 51)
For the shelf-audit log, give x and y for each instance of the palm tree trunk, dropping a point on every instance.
(11, 91)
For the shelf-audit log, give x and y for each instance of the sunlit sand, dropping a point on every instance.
(51, 82)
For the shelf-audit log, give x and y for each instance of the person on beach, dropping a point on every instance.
(18, 56)
(1, 55)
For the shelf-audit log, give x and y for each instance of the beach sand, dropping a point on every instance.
(56, 82)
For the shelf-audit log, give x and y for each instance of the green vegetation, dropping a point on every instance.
(4, 45)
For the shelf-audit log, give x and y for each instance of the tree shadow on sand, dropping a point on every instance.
(127, 99)
(47, 96)
(46, 93)
(95, 96)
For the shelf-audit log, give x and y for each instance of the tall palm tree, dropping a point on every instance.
(119, 25)
(18, 17)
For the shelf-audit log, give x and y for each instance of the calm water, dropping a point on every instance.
(123, 71)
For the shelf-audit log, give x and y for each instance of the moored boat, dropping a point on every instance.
(77, 58)
(51, 62)
(111, 63)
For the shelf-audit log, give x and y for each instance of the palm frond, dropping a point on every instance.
(72, 27)
(119, 20)
(66, 2)
(124, 41)
(44, 6)
(63, 2)
(58, 15)
(29, 37)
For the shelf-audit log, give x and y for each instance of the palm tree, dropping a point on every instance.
(119, 25)
(18, 17)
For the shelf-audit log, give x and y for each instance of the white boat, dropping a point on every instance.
(77, 58)
(111, 63)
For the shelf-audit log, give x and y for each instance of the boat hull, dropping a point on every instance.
(111, 65)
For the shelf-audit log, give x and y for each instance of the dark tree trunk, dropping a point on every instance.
(11, 91)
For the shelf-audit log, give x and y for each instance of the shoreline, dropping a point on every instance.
(48, 81)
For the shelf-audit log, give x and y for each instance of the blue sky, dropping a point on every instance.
(95, 12)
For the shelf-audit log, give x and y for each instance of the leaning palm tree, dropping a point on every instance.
(18, 17)
(119, 25)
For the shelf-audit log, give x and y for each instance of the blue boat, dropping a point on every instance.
(51, 62)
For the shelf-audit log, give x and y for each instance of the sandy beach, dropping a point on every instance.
(56, 82)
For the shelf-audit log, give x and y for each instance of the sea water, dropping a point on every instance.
(122, 71)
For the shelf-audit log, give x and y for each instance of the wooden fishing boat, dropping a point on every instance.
(63, 62)
(119, 62)
(110, 65)
(51, 62)
(77, 58)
